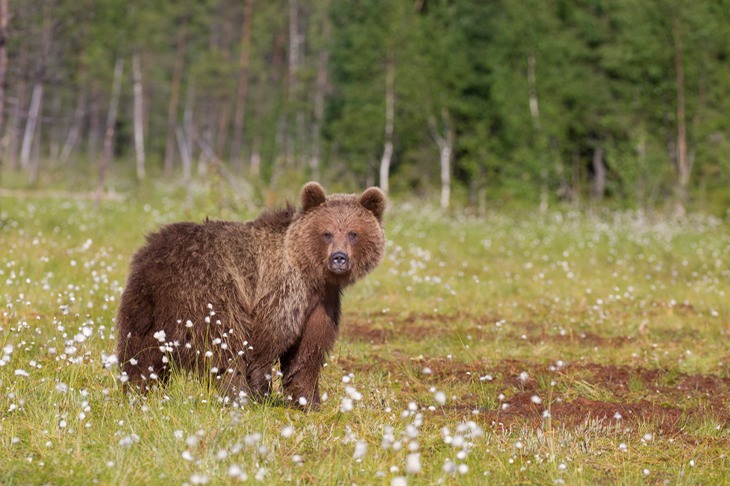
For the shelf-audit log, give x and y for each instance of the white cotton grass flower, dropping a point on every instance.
(199, 478)
(440, 397)
(361, 448)
(287, 431)
(160, 336)
(413, 463)
(235, 471)
(399, 481)
(353, 393)
(346, 405)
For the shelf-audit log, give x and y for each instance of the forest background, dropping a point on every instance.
(624, 103)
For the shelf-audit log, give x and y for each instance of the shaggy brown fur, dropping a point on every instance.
(227, 299)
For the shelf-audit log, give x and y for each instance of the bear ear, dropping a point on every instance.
(312, 196)
(374, 200)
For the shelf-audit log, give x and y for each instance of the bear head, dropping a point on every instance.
(337, 239)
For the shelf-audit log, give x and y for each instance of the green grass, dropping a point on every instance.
(536, 329)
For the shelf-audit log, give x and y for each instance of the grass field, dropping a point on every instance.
(505, 349)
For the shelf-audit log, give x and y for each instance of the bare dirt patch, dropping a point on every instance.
(521, 393)
(563, 395)
(522, 410)
(379, 328)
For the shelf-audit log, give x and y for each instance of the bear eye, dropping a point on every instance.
(352, 235)
(327, 236)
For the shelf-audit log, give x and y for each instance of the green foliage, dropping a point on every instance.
(532, 89)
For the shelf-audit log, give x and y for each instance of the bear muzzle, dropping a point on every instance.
(339, 262)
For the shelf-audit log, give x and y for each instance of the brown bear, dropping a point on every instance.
(228, 299)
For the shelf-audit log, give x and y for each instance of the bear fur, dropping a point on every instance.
(227, 299)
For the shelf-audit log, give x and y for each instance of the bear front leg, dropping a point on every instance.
(302, 364)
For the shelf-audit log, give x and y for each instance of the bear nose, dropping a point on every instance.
(338, 261)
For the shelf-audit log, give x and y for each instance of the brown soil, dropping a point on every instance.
(380, 328)
(611, 396)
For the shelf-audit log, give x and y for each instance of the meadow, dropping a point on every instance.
(508, 348)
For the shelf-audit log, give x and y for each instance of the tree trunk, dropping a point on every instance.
(111, 122)
(683, 162)
(599, 176)
(96, 124)
(535, 113)
(30, 126)
(256, 156)
(174, 101)
(78, 120)
(138, 115)
(445, 143)
(207, 134)
(532, 87)
(239, 114)
(188, 120)
(185, 155)
(294, 41)
(16, 127)
(221, 106)
(54, 140)
(3, 71)
(575, 194)
(446, 149)
(389, 121)
(319, 95)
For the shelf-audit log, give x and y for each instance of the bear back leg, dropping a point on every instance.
(138, 351)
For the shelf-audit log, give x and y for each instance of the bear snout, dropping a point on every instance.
(339, 262)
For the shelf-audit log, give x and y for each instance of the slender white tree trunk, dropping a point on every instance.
(33, 115)
(75, 130)
(189, 120)
(599, 175)
(185, 155)
(138, 115)
(256, 156)
(389, 122)
(446, 150)
(445, 142)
